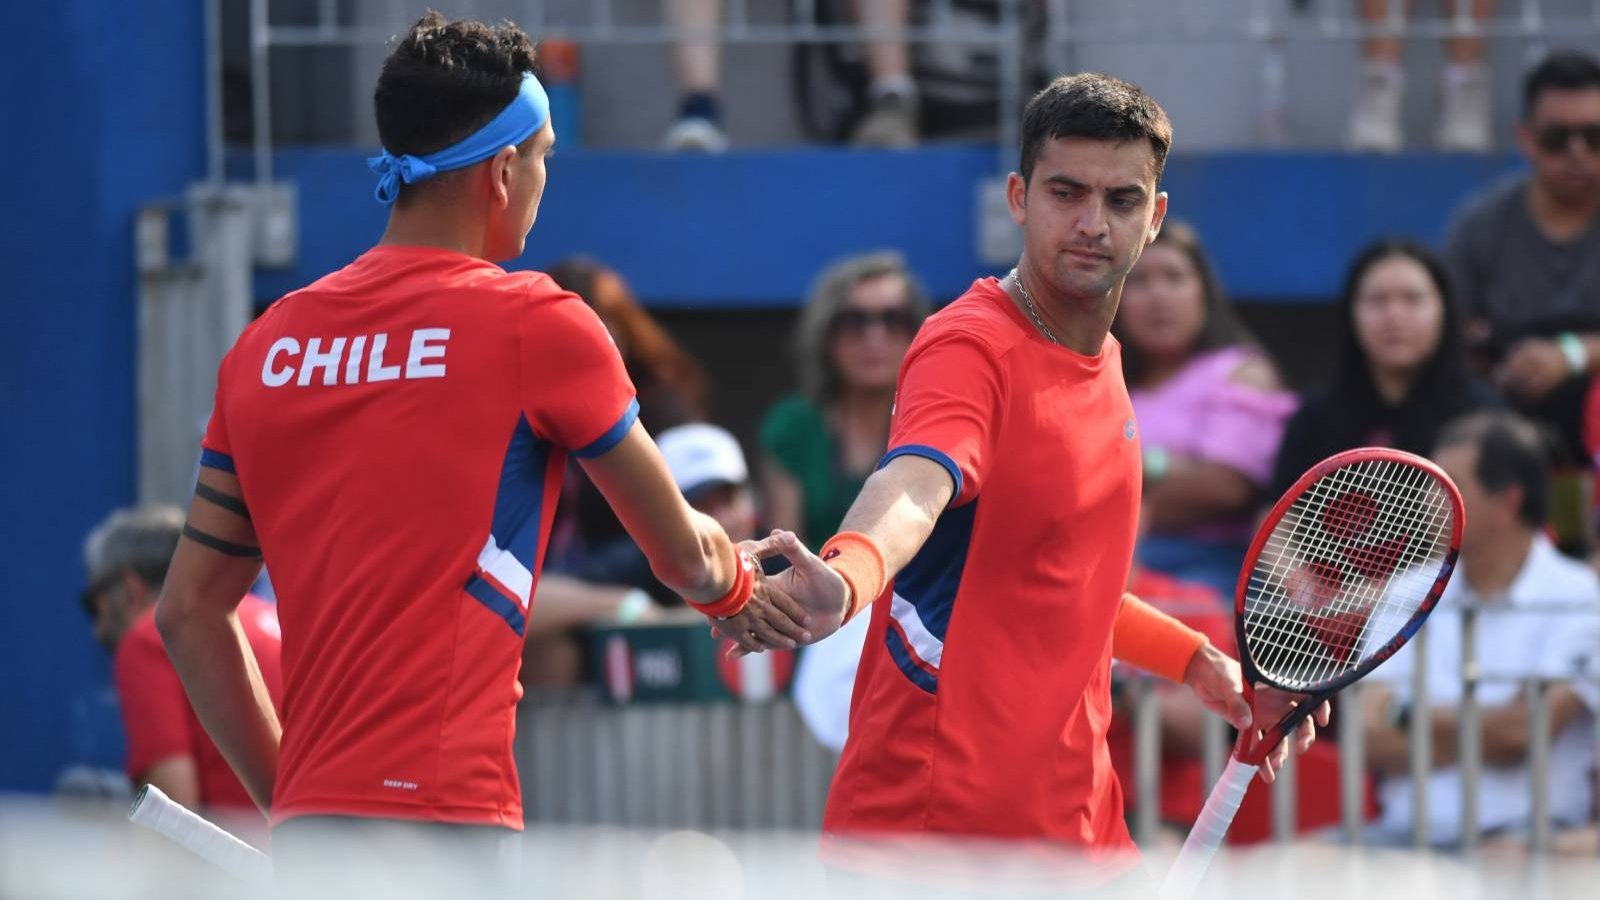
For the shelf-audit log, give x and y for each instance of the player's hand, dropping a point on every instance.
(1532, 369)
(772, 620)
(1218, 683)
(1271, 705)
(810, 583)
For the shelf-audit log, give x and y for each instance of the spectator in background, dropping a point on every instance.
(1512, 572)
(1211, 411)
(709, 469)
(1401, 372)
(671, 390)
(1525, 254)
(891, 120)
(126, 556)
(1464, 109)
(672, 386)
(820, 445)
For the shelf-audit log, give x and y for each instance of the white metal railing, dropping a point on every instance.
(725, 765)
(1268, 24)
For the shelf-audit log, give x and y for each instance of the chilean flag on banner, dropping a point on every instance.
(619, 669)
(757, 677)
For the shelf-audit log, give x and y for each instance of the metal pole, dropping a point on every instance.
(214, 148)
(261, 90)
(1469, 740)
(1009, 127)
(1284, 796)
(1146, 758)
(1539, 762)
(1352, 763)
(1420, 741)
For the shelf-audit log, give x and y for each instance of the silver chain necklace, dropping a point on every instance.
(1033, 311)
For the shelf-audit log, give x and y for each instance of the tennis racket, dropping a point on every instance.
(159, 813)
(1343, 571)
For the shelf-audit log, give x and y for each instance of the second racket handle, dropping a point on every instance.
(1208, 832)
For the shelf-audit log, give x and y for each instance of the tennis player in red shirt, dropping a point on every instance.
(127, 556)
(997, 533)
(392, 440)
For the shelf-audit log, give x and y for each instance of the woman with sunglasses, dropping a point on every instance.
(1524, 256)
(1211, 411)
(822, 443)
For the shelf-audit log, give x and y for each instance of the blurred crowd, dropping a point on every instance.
(1481, 353)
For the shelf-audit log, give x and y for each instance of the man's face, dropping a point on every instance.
(1088, 211)
(111, 604)
(1487, 512)
(733, 508)
(1561, 138)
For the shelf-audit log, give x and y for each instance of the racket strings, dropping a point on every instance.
(1344, 559)
(1368, 548)
(1340, 611)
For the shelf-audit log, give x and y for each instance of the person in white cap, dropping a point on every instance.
(710, 470)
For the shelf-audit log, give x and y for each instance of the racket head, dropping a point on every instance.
(1343, 570)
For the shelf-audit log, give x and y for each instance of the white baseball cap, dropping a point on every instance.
(701, 456)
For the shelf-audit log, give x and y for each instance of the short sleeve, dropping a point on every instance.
(216, 451)
(1244, 427)
(1572, 647)
(1463, 259)
(947, 409)
(155, 710)
(575, 388)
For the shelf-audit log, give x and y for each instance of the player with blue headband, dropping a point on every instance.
(401, 429)
(522, 118)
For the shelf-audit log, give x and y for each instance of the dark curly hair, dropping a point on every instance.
(445, 80)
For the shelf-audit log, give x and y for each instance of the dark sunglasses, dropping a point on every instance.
(856, 321)
(1557, 138)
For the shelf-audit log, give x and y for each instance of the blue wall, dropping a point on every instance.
(103, 109)
(755, 227)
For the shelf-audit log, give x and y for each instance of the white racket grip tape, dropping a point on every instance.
(1206, 836)
(156, 811)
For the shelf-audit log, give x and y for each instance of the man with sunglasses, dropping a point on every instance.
(1525, 255)
(127, 556)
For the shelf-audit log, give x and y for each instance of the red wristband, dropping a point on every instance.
(733, 602)
(855, 557)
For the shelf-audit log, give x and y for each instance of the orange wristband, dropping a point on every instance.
(854, 556)
(733, 602)
(1148, 638)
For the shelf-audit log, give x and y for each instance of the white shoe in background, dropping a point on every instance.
(1464, 114)
(694, 134)
(1375, 117)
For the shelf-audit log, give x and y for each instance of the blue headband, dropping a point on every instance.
(524, 116)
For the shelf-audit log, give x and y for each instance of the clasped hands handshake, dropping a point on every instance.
(801, 605)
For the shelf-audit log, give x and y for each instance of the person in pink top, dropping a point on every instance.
(1211, 410)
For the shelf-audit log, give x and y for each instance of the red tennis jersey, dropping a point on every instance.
(983, 697)
(156, 714)
(399, 430)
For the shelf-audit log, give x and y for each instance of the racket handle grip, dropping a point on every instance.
(1208, 832)
(159, 813)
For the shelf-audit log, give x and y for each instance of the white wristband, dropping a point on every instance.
(1576, 353)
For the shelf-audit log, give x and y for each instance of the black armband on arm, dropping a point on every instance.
(231, 504)
(218, 544)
